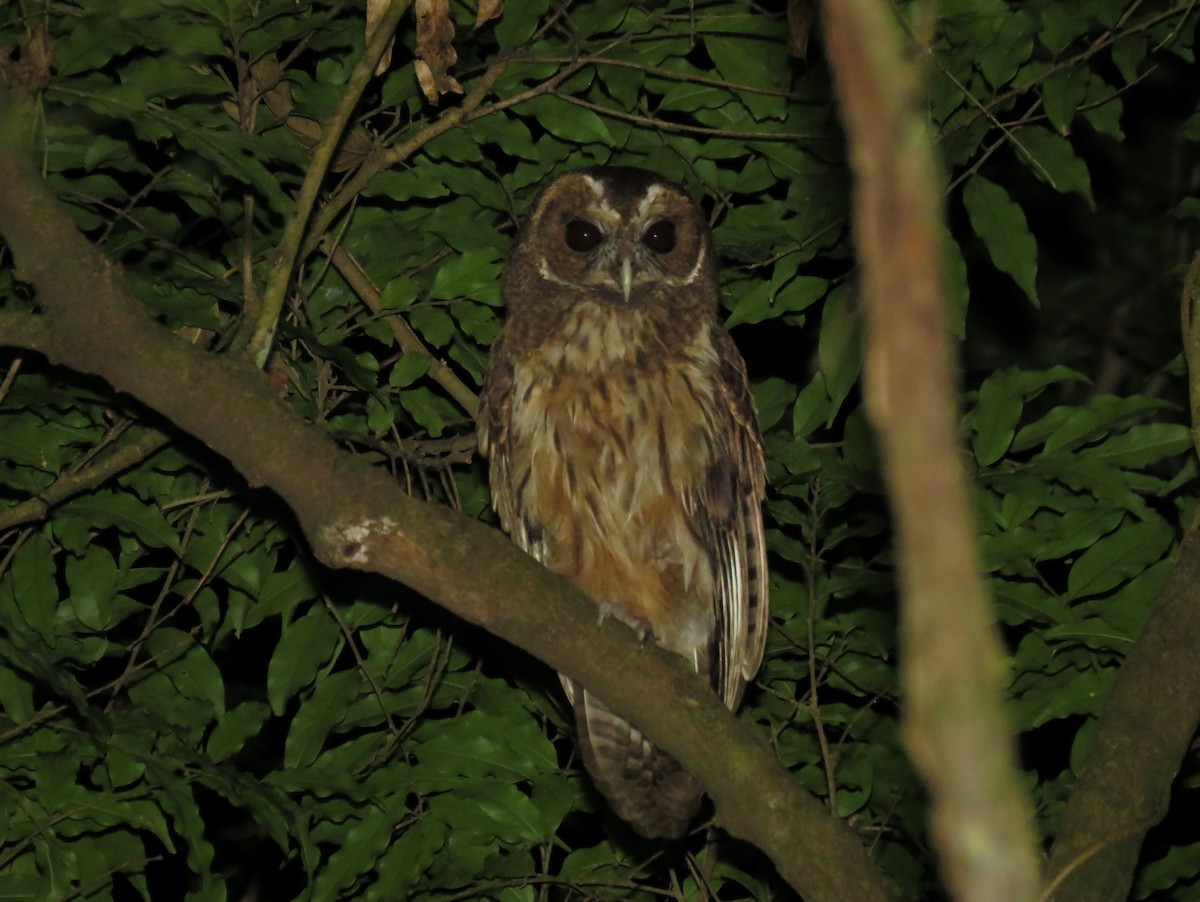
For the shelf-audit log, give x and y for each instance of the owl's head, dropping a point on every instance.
(617, 235)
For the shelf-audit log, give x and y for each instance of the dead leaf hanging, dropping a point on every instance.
(435, 49)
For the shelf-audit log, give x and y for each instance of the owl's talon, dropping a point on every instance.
(637, 624)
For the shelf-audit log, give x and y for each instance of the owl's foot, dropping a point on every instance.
(637, 624)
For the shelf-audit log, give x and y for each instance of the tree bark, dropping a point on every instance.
(951, 656)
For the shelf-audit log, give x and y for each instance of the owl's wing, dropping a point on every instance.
(493, 425)
(726, 510)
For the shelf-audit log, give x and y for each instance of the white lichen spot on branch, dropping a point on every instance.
(349, 544)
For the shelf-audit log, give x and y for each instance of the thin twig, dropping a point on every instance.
(286, 254)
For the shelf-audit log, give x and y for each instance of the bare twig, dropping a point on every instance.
(284, 259)
(408, 340)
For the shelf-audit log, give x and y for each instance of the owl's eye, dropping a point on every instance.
(582, 235)
(660, 237)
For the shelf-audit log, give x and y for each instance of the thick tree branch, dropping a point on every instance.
(355, 516)
(1148, 719)
(1147, 723)
(24, 330)
(954, 724)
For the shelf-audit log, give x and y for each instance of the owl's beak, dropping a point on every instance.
(626, 272)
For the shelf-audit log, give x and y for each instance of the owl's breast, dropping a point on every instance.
(609, 437)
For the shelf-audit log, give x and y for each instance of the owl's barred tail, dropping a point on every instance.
(645, 786)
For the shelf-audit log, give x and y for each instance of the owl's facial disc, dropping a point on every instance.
(619, 239)
(620, 261)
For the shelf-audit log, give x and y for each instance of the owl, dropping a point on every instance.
(624, 453)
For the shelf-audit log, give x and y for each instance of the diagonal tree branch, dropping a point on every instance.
(283, 261)
(355, 516)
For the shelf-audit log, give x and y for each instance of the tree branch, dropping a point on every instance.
(1148, 719)
(954, 724)
(24, 330)
(409, 341)
(283, 261)
(355, 516)
(71, 484)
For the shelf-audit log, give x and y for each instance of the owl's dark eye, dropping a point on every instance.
(582, 235)
(660, 237)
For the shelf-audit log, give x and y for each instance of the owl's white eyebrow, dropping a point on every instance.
(652, 194)
(601, 201)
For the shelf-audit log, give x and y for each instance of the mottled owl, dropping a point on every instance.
(624, 452)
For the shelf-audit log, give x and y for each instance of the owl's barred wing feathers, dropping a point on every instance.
(495, 421)
(725, 511)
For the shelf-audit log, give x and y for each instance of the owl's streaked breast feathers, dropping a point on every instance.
(624, 452)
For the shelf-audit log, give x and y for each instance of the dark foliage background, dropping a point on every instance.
(192, 708)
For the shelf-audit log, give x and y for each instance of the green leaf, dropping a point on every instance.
(302, 652)
(28, 588)
(435, 324)
(1052, 159)
(1119, 556)
(496, 810)
(839, 350)
(518, 21)
(1060, 26)
(188, 666)
(480, 745)
(367, 838)
(995, 419)
(426, 408)
(234, 728)
(93, 582)
(1002, 226)
(1144, 444)
(772, 399)
(318, 715)
(756, 302)
(1062, 95)
(474, 274)
(408, 369)
(125, 512)
(407, 858)
(1180, 864)
(568, 122)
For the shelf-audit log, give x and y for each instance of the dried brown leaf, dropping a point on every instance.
(800, 16)
(375, 11)
(435, 49)
(269, 84)
(488, 10)
(307, 131)
(355, 147)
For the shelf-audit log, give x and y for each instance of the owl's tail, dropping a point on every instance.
(645, 786)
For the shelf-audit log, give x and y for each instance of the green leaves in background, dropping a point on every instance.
(1002, 226)
(186, 700)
